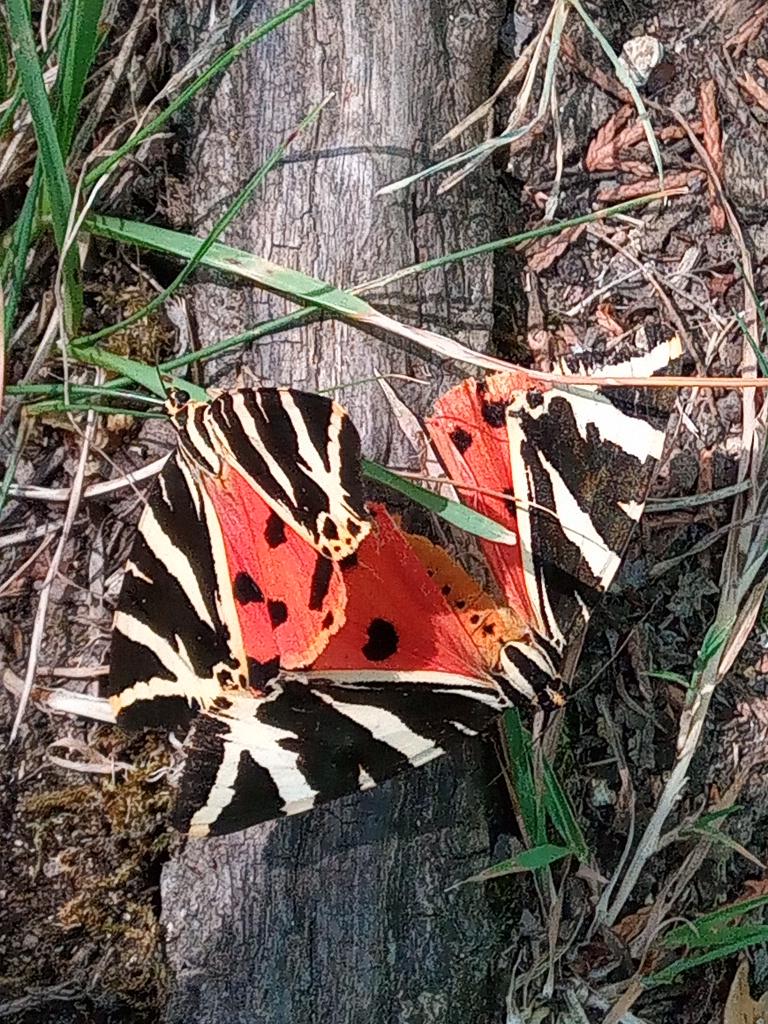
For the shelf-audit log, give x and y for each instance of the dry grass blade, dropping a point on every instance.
(45, 593)
(93, 763)
(6, 585)
(63, 494)
(486, 106)
(411, 426)
(61, 701)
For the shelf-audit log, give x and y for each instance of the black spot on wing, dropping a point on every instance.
(328, 620)
(462, 439)
(330, 530)
(535, 398)
(383, 640)
(247, 590)
(278, 613)
(321, 581)
(274, 532)
(494, 413)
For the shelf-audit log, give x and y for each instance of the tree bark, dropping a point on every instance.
(342, 915)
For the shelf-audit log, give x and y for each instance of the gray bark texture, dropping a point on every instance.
(342, 916)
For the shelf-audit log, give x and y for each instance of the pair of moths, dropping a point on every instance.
(304, 644)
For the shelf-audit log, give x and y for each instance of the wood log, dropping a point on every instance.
(342, 915)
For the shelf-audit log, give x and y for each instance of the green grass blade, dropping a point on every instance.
(712, 922)
(762, 362)
(78, 391)
(626, 80)
(21, 243)
(562, 815)
(301, 287)
(483, 149)
(146, 376)
(218, 66)
(295, 285)
(77, 49)
(31, 76)
(50, 156)
(669, 974)
(291, 283)
(5, 85)
(521, 761)
(452, 511)
(48, 408)
(527, 860)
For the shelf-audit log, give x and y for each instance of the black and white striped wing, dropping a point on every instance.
(299, 451)
(310, 741)
(582, 461)
(176, 643)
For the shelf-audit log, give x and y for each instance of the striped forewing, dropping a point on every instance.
(582, 461)
(313, 739)
(176, 643)
(299, 451)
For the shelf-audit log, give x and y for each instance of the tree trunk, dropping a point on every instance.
(342, 915)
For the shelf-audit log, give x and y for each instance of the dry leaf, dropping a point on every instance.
(752, 88)
(740, 1007)
(713, 143)
(544, 255)
(601, 152)
(747, 31)
(606, 320)
(719, 284)
(631, 926)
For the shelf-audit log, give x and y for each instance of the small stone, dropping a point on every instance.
(640, 56)
(602, 795)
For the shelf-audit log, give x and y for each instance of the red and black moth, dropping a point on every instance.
(235, 571)
(308, 647)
